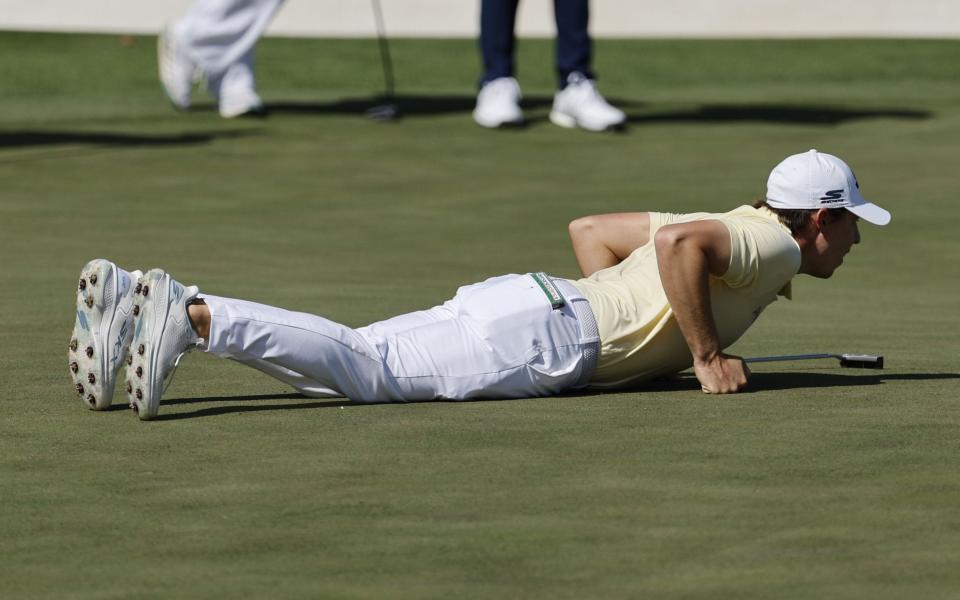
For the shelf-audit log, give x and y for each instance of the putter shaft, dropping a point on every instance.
(857, 361)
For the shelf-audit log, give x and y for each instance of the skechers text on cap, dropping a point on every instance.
(814, 180)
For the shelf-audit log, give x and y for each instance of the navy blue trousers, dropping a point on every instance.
(497, 41)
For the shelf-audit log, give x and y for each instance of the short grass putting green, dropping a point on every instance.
(820, 483)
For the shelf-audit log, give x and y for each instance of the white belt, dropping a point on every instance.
(589, 332)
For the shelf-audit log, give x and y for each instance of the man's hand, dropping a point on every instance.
(724, 374)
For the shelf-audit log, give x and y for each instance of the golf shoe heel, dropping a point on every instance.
(101, 332)
(162, 334)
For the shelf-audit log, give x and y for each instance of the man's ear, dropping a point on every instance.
(820, 218)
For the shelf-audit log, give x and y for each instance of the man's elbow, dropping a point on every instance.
(582, 227)
(668, 239)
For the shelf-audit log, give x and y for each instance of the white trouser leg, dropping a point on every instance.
(238, 78)
(326, 355)
(219, 33)
(496, 339)
(301, 383)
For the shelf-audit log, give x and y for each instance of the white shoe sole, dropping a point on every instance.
(101, 334)
(232, 112)
(498, 123)
(565, 120)
(156, 292)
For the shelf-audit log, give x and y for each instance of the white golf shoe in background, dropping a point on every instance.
(498, 104)
(162, 335)
(178, 74)
(581, 105)
(239, 103)
(102, 331)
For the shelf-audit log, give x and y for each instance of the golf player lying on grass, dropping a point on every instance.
(661, 292)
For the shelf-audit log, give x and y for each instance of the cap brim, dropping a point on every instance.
(870, 212)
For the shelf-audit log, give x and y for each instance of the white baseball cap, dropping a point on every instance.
(818, 180)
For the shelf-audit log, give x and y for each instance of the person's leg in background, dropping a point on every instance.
(573, 49)
(497, 40)
(216, 38)
(578, 103)
(235, 89)
(498, 102)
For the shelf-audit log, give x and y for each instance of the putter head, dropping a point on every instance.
(384, 112)
(861, 361)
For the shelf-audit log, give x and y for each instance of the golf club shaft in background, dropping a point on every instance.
(387, 111)
(384, 49)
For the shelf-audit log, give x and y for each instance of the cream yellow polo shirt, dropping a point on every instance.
(639, 335)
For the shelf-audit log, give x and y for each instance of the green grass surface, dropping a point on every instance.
(819, 483)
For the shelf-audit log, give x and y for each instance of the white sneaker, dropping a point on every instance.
(102, 332)
(581, 105)
(178, 74)
(240, 103)
(236, 91)
(498, 104)
(163, 334)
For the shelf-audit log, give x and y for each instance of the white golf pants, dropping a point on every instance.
(219, 37)
(502, 338)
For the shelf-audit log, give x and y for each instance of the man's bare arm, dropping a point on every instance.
(601, 241)
(687, 254)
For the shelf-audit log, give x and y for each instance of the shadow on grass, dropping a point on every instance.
(66, 144)
(409, 105)
(796, 114)
(774, 381)
(681, 383)
(26, 138)
(429, 105)
(303, 402)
